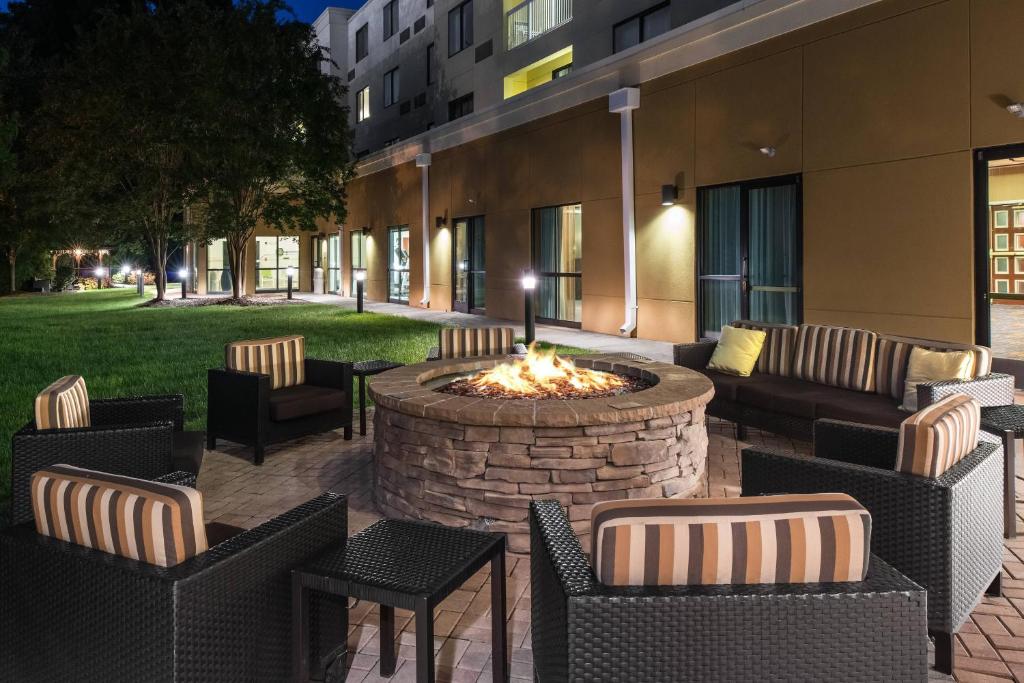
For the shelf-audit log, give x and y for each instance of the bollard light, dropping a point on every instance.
(183, 276)
(360, 276)
(139, 281)
(101, 273)
(290, 272)
(529, 284)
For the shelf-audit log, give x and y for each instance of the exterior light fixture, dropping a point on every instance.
(767, 151)
(529, 284)
(125, 269)
(669, 195)
(360, 275)
(101, 272)
(1017, 109)
(183, 276)
(290, 272)
(439, 222)
(140, 282)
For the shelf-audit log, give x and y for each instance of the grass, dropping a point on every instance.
(123, 349)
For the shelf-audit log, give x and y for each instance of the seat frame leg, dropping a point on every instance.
(945, 651)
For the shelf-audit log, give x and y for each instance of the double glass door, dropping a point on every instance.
(325, 256)
(398, 265)
(274, 255)
(468, 265)
(558, 264)
(749, 250)
(357, 258)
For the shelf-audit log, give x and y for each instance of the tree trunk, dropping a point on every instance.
(12, 261)
(236, 262)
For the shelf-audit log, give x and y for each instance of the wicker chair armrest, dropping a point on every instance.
(991, 390)
(179, 478)
(236, 400)
(138, 410)
(434, 353)
(856, 443)
(694, 356)
(329, 373)
(553, 538)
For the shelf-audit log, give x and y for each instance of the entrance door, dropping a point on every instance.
(999, 249)
(468, 265)
(357, 258)
(558, 264)
(749, 253)
(398, 265)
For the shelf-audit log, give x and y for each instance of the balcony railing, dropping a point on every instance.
(532, 18)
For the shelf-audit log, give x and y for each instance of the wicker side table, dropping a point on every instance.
(362, 370)
(1007, 422)
(406, 564)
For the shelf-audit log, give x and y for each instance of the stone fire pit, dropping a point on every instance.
(479, 462)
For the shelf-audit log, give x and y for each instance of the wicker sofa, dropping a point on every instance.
(778, 398)
(466, 342)
(583, 630)
(72, 613)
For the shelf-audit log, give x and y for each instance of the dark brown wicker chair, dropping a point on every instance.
(873, 630)
(71, 613)
(242, 407)
(136, 437)
(946, 533)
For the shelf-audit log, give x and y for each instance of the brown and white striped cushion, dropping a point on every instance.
(837, 356)
(824, 537)
(893, 356)
(934, 439)
(152, 522)
(63, 405)
(463, 342)
(283, 358)
(777, 353)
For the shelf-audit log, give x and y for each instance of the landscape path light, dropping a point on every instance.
(360, 276)
(529, 285)
(183, 276)
(290, 272)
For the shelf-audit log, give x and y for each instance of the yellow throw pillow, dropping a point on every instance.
(931, 366)
(737, 351)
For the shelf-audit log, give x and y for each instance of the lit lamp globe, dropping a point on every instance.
(125, 269)
(529, 281)
(360, 275)
(290, 271)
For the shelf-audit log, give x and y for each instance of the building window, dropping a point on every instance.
(1018, 286)
(274, 255)
(398, 265)
(641, 27)
(218, 274)
(391, 87)
(430, 64)
(1018, 218)
(1002, 242)
(390, 19)
(558, 263)
(1002, 287)
(363, 104)
(1001, 264)
(362, 45)
(357, 257)
(1002, 218)
(460, 107)
(1018, 265)
(561, 71)
(460, 28)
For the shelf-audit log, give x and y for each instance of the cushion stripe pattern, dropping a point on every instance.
(934, 439)
(63, 405)
(804, 538)
(156, 523)
(893, 356)
(283, 358)
(464, 342)
(777, 354)
(837, 356)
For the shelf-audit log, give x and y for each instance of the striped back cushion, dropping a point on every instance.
(283, 358)
(156, 523)
(894, 354)
(463, 342)
(824, 537)
(934, 439)
(838, 356)
(777, 353)
(63, 405)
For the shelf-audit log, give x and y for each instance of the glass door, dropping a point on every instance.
(468, 265)
(558, 264)
(357, 258)
(398, 265)
(333, 262)
(218, 273)
(274, 255)
(749, 253)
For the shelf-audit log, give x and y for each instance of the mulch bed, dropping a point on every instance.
(195, 301)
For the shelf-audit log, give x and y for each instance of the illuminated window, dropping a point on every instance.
(1018, 286)
(1018, 264)
(1002, 287)
(1018, 218)
(363, 104)
(1001, 242)
(1001, 218)
(1001, 265)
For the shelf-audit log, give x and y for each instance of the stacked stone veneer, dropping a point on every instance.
(479, 462)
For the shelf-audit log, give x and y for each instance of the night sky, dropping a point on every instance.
(306, 10)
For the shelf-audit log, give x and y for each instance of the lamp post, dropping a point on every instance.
(360, 276)
(139, 281)
(183, 275)
(100, 273)
(125, 272)
(529, 284)
(290, 272)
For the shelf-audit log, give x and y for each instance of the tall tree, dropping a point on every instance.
(277, 153)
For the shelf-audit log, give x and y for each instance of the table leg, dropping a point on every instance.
(300, 630)
(1010, 487)
(499, 620)
(424, 642)
(387, 640)
(362, 406)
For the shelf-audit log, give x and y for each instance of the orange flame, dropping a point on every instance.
(544, 372)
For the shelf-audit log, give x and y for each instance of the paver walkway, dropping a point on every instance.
(991, 644)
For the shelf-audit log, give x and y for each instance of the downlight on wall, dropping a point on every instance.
(1017, 109)
(669, 195)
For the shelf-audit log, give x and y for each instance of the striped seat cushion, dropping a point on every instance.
(283, 358)
(934, 439)
(777, 353)
(63, 405)
(463, 342)
(838, 356)
(893, 356)
(809, 538)
(160, 524)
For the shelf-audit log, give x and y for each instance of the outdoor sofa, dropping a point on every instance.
(269, 392)
(465, 342)
(810, 372)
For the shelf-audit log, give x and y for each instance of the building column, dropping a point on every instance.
(623, 102)
(423, 163)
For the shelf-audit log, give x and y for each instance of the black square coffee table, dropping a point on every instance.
(411, 565)
(362, 370)
(1007, 422)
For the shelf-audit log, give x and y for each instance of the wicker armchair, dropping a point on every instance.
(71, 613)
(944, 533)
(239, 406)
(135, 437)
(585, 631)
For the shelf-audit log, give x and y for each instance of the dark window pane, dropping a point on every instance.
(656, 23)
(719, 212)
(430, 64)
(626, 35)
(454, 31)
(361, 43)
(467, 24)
(719, 305)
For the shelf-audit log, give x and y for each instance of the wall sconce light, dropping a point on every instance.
(1017, 109)
(767, 151)
(669, 195)
(439, 222)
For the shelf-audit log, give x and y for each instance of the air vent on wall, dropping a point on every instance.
(419, 25)
(351, 74)
(484, 50)
(404, 36)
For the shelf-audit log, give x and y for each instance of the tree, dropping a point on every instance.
(278, 150)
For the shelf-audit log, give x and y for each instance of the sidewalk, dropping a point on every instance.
(606, 343)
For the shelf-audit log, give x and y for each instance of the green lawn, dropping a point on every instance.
(122, 349)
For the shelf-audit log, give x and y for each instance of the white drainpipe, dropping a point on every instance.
(341, 264)
(623, 102)
(423, 163)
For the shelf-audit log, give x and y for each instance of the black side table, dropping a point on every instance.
(362, 370)
(411, 565)
(1007, 422)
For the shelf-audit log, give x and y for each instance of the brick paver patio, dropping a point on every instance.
(991, 644)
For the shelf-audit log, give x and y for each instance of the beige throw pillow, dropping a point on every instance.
(931, 366)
